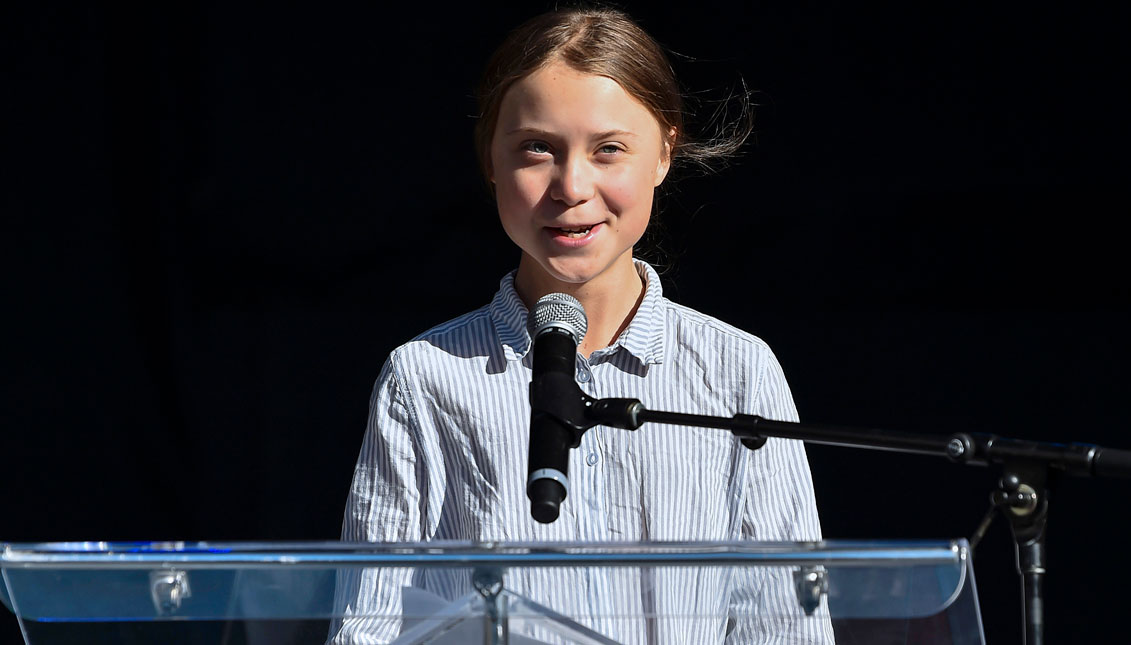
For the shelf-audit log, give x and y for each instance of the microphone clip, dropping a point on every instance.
(557, 395)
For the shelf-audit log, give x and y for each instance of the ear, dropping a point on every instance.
(665, 162)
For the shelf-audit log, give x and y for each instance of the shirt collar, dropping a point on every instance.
(643, 338)
(509, 316)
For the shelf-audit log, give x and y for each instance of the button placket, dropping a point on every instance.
(596, 511)
(585, 379)
(585, 479)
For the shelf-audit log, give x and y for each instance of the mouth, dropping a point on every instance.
(574, 232)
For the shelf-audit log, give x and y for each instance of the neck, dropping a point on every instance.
(610, 299)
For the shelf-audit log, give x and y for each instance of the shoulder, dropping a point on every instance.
(719, 351)
(477, 321)
(687, 327)
(461, 348)
(468, 333)
(708, 350)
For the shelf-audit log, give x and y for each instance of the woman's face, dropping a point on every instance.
(575, 161)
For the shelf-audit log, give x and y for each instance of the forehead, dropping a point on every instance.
(559, 98)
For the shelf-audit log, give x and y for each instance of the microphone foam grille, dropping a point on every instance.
(561, 311)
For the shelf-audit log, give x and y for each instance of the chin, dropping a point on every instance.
(577, 272)
(573, 276)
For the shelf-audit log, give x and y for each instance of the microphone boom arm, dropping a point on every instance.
(974, 449)
(1022, 493)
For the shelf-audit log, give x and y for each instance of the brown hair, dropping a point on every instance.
(604, 42)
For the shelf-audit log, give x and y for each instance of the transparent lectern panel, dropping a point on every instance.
(451, 592)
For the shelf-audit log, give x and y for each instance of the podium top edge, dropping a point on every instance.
(458, 553)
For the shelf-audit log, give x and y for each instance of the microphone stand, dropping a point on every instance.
(1022, 493)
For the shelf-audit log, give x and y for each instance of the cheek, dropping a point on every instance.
(630, 195)
(519, 188)
(517, 196)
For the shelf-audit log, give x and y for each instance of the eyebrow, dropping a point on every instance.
(546, 133)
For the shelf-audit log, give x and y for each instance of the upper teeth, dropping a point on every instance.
(577, 229)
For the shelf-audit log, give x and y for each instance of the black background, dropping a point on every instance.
(219, 220)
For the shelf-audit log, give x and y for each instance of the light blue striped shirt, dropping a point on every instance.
(445, 456)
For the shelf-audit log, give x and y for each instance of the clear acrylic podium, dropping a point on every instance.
(452, 592)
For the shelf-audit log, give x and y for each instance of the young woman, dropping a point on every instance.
(581, 122)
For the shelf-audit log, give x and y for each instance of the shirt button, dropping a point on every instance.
(583, 376)
(591, 459)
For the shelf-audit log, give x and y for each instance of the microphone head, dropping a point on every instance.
(559, 311)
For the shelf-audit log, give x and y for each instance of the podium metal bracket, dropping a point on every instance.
(168, 588)
(810, 583)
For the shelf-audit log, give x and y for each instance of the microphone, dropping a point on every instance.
(558, 324)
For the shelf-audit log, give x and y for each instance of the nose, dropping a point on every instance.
(573, 181)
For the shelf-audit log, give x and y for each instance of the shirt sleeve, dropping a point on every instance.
(779, 506)
(393, 488)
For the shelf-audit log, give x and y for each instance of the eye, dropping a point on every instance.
(537, 147)
(610, 149)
